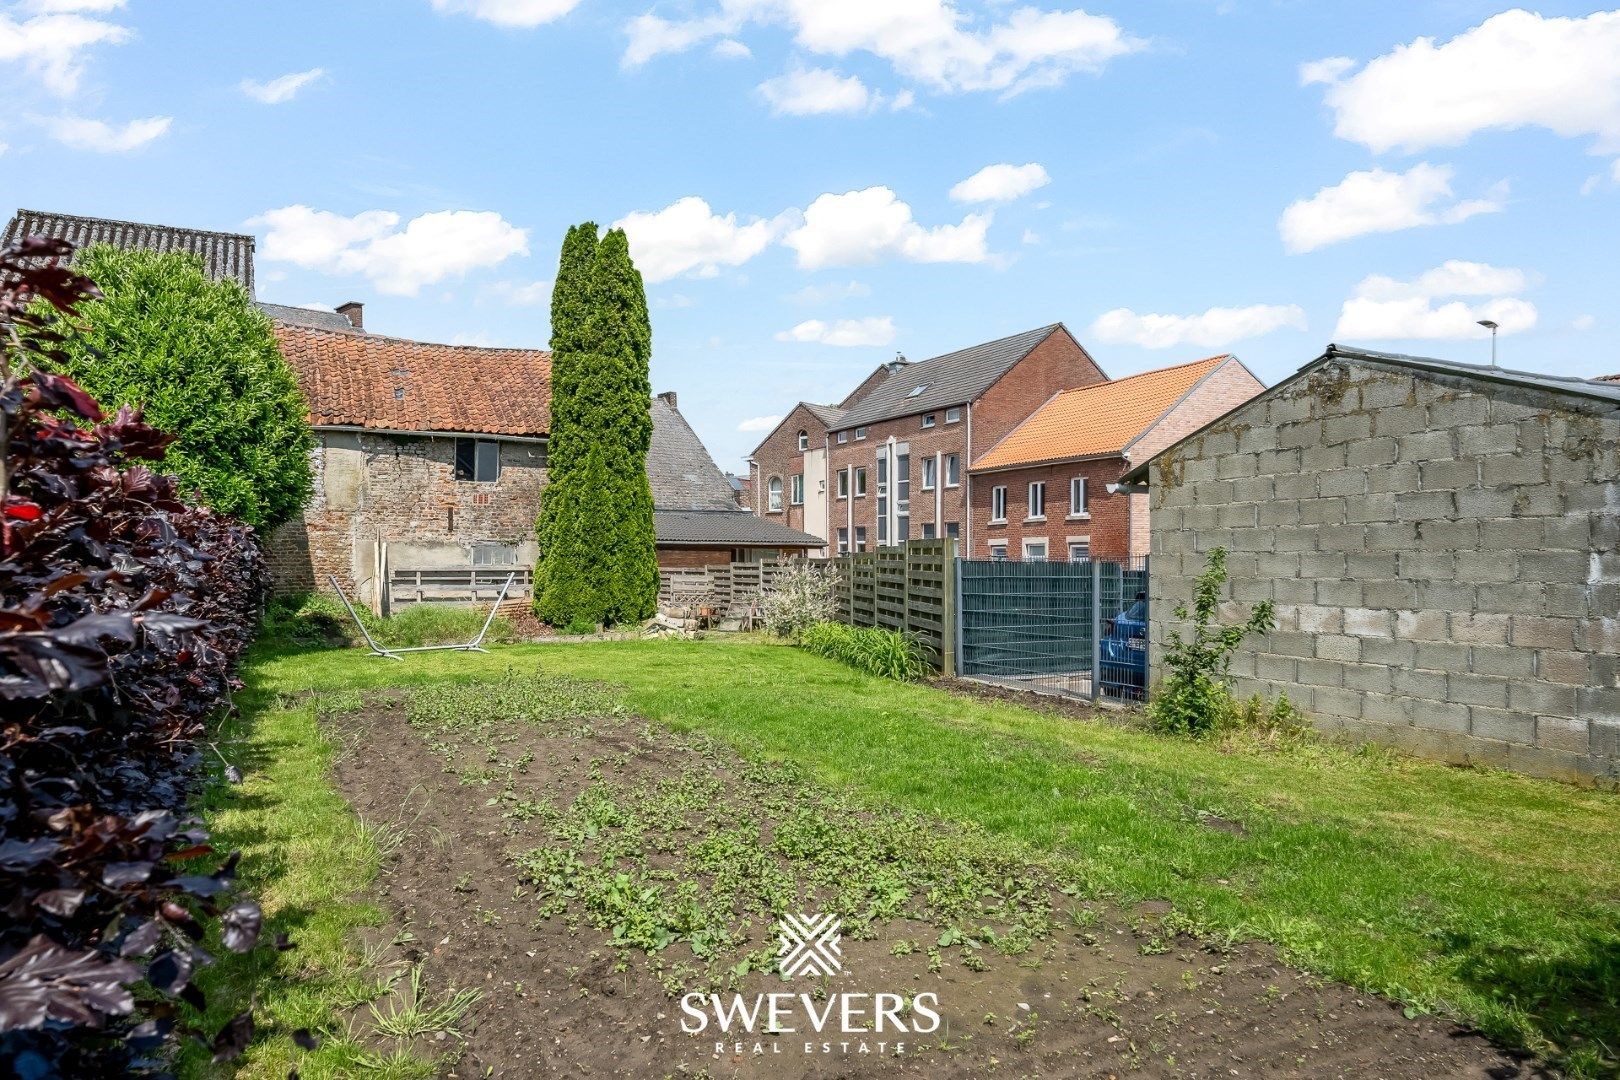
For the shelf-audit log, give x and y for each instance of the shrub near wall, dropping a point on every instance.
(122, 614)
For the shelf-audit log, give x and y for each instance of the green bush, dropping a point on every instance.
(204, 364)
(1196, 696)
(871, 649)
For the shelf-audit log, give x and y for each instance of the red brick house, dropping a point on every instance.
(788, 469)
(898, 455)
(1043, 491)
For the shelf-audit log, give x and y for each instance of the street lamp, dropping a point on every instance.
(1491, 326)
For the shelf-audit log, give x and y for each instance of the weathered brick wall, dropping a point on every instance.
(1442, 552)
(371, 488)
(1108, 526)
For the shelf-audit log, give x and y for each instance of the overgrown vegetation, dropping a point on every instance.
(872, 649)
(1470, 893)
(203, 364)
(317, 619)
(598, 562)
(802, 595)
(123, 611)
(1195, 697)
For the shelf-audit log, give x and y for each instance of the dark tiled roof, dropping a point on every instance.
(225, 256)
(830, 415)
(683, 475)
(726, 527)
(315, 318)
(366, 380)
(953, 379)
(1608, 378)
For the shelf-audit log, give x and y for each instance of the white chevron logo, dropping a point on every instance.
(809, 945)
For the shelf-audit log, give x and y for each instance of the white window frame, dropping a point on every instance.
(773, 495)
(1037, 495)
(998, 505)
(930, 420)
(843, 437)
(796, 489)
(860, 433)
(804, 440)
(1079, 508)
(860, 481)
(930, 476)
(998, 550)
(843, 483)
(1029, 555)
(928, 530)
(860, 538)
(1076, 541)
(953, 530)
(843, 541)
(953, 415)
(953, 464)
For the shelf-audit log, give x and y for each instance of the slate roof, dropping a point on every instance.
(361, 380)
(225, 256)
(830, 415)
(316, 318)
(719, 528)
(683, 475)
(1600, 389)
(952, 379)
(1097, 421)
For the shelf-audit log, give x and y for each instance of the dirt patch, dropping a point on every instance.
(522, 855)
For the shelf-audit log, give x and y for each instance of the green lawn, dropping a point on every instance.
(1479, 894)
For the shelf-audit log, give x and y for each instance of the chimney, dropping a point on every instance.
(354, 311)
(668, 398)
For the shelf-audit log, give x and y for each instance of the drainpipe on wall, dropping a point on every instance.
(967, 488)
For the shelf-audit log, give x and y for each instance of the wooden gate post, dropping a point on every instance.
(950, 629)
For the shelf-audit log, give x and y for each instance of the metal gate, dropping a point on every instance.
(1073, 628)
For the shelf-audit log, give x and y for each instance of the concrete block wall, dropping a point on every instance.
(1443, 553)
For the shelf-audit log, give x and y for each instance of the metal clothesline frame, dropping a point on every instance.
(475, 645)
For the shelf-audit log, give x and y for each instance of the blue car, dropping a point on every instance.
(1124, 648)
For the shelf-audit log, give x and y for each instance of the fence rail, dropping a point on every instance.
(724, 586)
(455, 585)
(909, 588)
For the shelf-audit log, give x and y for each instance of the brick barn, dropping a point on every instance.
(1441, 542)
(430, 465)
(1048, 490)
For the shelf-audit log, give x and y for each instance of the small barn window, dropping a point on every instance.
(478, 460)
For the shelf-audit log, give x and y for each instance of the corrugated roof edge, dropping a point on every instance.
(1556, 384)
(91, 219)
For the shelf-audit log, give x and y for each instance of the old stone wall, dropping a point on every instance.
(372, 488)
(1443, 553)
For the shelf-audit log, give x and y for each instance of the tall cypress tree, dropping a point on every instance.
(598, 561)
(556, 599)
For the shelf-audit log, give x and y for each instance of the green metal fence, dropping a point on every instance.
(1075, 628)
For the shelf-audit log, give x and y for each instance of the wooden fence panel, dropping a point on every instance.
(909, 588)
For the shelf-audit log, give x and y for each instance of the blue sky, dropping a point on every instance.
(804, 183)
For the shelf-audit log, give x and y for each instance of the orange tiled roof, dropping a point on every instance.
(366, 380)
(1098, 420)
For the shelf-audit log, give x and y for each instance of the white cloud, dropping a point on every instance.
(1031, 236)
(1614, 170)
(731, 49)
(814, 92)
(686, 237)
(518, 13)
(1328, 71)
(831, 292)
(52, 46)
(927, 41)
(1584, 322)
(1382, 308)
(864, 226)
(281, 89)
(399, 261)
(759, 423)
(1516, 69)
(1212, 329)
(844, 332)
(521, 293)
(674, 301)
(482, 339)
(1378, 201)
(1001, 183)
(99, 7)
(98, 136)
